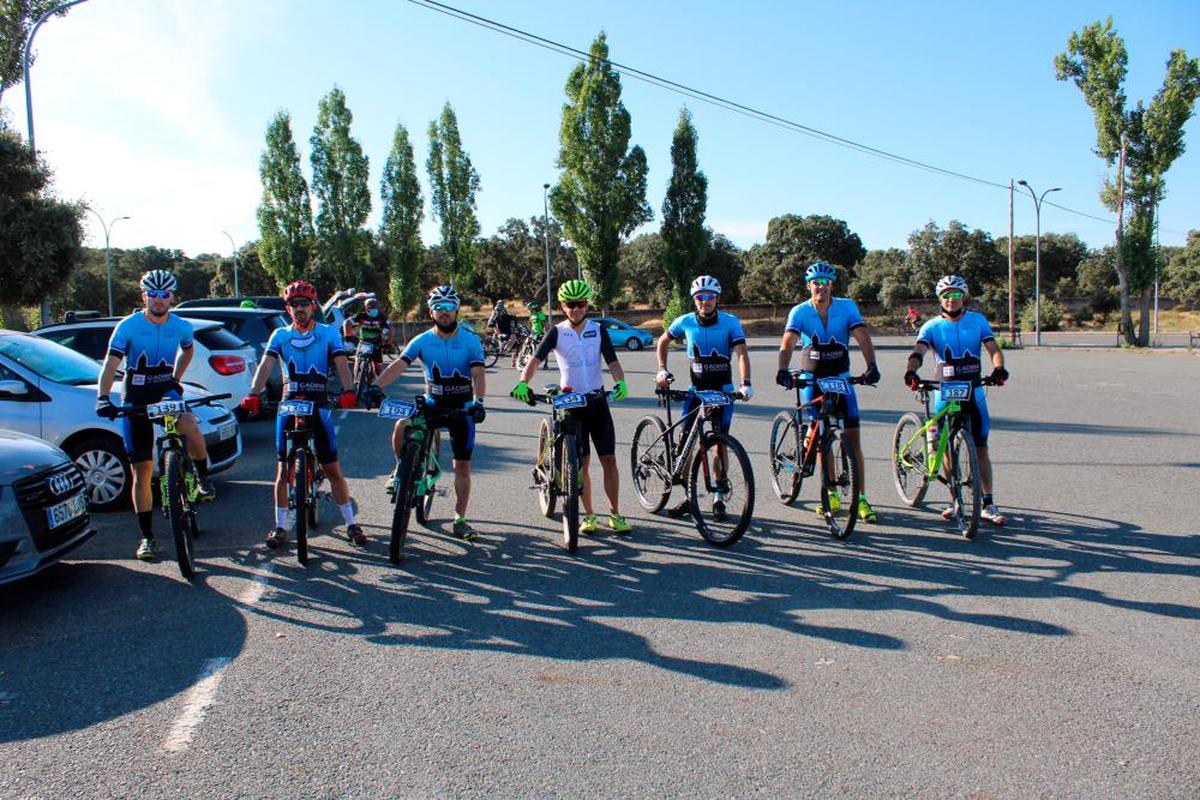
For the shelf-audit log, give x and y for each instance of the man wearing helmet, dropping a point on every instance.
(157, 348)
(823, 326)
(501, 323)
(537, 319)
(958, 339)
(454, 379)
(712, 338)
(372, 328)
(305, 351)
(581, 346)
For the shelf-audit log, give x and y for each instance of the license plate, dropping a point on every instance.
(711, 398)
(398, 409)
(173, 408)
(227, 431)
(296, 408)
(569, 400)
(956, 390)
(833, 385)
(64, 512)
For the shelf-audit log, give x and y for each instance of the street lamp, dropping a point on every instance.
(236, 291)
(1037, 260)
(107, 262)
(546, 238)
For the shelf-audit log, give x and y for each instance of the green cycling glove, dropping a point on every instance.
(522, 392)
(620, 392)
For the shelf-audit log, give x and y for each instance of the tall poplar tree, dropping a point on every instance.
(685, 239)
(340, 183)
(285, 225)
(453, 183)
(601, 193)
(400, 229)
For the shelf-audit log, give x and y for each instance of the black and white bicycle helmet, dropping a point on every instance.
(444, 294)
(950, 283)
(706, 283)
(158, 280)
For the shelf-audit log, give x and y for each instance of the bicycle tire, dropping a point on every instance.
(177, 512)
(786, 457)
(424, 505)
(570, 493)
(360, 379)
(846, 482)
(543, 471)
(705, 525)
(300, 501)
(491, 352)
(965, 489)
(909, 468)
(647, 461)
(410, 451)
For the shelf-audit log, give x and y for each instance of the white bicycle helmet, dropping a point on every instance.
(706, 283)
(158, 280)
(442, 294)
(949, 283)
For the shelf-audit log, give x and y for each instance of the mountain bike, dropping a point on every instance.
(940, 447)
(798, 446)
(179, 483)
(364, 371)
(559, 455)
(707, 463)
(304, 473)
(529, 345)
(413, 484)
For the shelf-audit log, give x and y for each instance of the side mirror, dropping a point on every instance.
(14, 389)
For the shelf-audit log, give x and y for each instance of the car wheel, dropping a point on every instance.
(634, 343)
(106, 472)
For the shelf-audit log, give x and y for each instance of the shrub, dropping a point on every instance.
(1052, 315)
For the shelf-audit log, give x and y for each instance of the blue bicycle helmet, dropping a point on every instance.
(820, 269)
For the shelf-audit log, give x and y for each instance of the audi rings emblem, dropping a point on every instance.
(60, 484)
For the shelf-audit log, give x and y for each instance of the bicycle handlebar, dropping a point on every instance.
(799, 382)
(930, 386)
(679, 395)
(140, 408)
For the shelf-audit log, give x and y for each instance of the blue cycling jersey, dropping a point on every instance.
(957, 345)
(305, 358)
(447, 362)
(710, 347)
(825, 345)
(149, 350)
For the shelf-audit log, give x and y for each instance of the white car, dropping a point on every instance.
(223, 363)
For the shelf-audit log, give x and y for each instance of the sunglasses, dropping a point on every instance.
(952, 295)
(821, 281)
(445, 305)
(576, 303)
(300, 303)
(705, 296)
(158, 294)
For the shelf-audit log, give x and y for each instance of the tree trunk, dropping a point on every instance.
(1126, 312)
(1143, 338)
(14, 318)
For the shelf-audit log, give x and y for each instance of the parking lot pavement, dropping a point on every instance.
(1055, 656)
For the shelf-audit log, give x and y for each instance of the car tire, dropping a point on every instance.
(106, 471)
(633, 344)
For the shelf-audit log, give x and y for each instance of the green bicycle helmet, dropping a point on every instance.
(247, 304)
(574, 290)
(533, 305)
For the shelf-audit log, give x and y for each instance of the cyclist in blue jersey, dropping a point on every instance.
(823, 326)
(958, 339)
(452, 357)
(712, 338)
(156, 347)
(306, 350)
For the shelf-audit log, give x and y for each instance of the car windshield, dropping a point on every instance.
(50, 360)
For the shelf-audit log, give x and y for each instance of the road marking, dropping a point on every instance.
(254, 592)
(196, 704)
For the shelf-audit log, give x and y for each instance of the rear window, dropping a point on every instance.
(219, 339)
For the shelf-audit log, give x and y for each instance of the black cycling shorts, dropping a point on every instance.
(324, 438)
(596, 424)
(137, 431)
(461, 429)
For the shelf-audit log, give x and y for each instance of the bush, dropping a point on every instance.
(676, 307)
(1052, 315)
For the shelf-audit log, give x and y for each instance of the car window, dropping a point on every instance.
(219, 339)
(50, 360)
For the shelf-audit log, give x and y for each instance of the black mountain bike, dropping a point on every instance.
(364, 371)
(559, 455)
(708, 463)
(304, 473)
(797, 447)
(178, 480)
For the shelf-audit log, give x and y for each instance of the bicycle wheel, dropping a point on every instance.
(525, 354)
(840, 485)
(570, 475)
(360, 379)
(910, 460)
(410, 452)
(314, 500)
(491, 352)
(965, 491)
(300, 494)
(787, 457)
(178, 511)
(720, 470)
(424, 504)
(543, 471)
(648, 461)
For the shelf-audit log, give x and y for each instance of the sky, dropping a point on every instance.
(157, 109)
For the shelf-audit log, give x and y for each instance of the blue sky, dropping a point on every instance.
(157, 109)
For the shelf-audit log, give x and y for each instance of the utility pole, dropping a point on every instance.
(1012, 328)
(1126, 316)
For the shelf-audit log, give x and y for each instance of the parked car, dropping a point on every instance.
(625, 335)
(43, 506)
(36, 373)
(254, 326)
(223, 363)
(272, 302)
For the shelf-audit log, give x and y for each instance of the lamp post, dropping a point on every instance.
(236, 291)
(546, 238)
(1037, 260)
(107, 261)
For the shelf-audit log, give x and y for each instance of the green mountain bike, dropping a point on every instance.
(414, 481)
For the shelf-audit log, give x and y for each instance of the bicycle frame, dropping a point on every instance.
(830, 410)
(951, 412)
(677, 461)
(562, 422)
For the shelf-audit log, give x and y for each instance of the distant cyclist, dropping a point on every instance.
(712, 339)
(156, 347)
(823, 325)
(454, 379)
(958, 339)
(537, 320)
(502, 324)
(371, 326)
(582, 348)
(912, 319)
(306, 350)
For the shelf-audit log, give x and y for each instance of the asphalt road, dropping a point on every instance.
(1056, 657)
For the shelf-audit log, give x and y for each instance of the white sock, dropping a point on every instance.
(347, 513)
(281, 517)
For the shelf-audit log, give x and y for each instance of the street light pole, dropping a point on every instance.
(236, 291)
(546, 238)
(1037, 260)
(107, 261)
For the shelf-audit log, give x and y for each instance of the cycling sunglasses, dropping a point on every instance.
(445, 305)
(705, 296)
(953, 294)
(300, 303)
(575, 303)
(159, 294)
(821, 281)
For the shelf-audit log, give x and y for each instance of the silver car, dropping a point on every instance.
(43, 506)
(49, 391)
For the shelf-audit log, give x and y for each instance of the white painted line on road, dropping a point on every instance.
(196, 704)
(254, 592)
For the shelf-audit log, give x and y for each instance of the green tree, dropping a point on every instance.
(882, 276)
(40, 236)
(512, 263)
(1095, 60)
(400, 228)
(285, 212)
(252, 278)
(685, 239)
(1182, 276)
(17, 17)
(453, 183)
(640, 265)
(775, 269)
(934, 252)
(340, 174)
(724, 261)
(601, 192)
